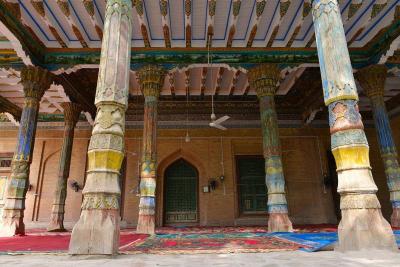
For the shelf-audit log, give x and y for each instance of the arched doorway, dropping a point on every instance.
(181, 193)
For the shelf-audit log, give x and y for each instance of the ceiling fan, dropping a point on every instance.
(215, 123)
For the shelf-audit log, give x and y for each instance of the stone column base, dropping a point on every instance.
(12, 224)
(146, 224)
(395, 218)
(96, 232)
(364, 229)
(279, 222)
(56, 223)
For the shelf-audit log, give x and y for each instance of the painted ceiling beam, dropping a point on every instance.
(64, 7)
(144, 28)
(188, 27)
(10, 18)
(165, 22)
(234, 17)
(9, 107)
(39, 7)
(212, 4)
(260, 6)
(234, 80)
(90, 9)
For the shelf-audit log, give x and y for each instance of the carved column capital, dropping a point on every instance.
(35, 81)
(71, 113)
(372, 79)
(264, 79)
(151, 79)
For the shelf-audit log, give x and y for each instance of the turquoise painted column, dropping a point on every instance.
(264, 79)
(372, 80)
(71, 117)
(151, 79)
(35, 82)
(362, 225)
(98, 228)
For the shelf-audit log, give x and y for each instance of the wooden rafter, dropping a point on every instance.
(9, 107)
(219, 80)
(64, 7)
(165, 22)
(88, 4)
(203, 80)
(171, 77)
(10, 17)
(234, 81)
(138, 4)
(210, 21)
(76, 95)
(188, 27)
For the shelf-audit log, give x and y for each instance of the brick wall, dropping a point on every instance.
(304, 160)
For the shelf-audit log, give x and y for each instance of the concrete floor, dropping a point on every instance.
(296, 258)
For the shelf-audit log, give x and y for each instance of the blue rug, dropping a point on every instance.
(318, 241)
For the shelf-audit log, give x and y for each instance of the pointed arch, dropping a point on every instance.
(163, 166)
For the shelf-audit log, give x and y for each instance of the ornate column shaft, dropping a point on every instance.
(71, 116)
(372, 80)
(264, 79)
(97, 231)
(362, 225)
(151, 80)
(35, 82)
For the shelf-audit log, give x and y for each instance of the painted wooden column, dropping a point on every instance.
(151, 80)
(35, 82)
(372, 80)
(362, 225)
(97, 231)
(264, 79)
(71, 116)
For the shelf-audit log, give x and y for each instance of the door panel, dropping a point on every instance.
(181, 191)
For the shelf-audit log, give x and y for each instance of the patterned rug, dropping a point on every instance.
(194, 243)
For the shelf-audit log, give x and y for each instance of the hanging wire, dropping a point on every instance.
(209, 63)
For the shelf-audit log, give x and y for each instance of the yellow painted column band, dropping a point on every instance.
(351, 157)
(110, 160)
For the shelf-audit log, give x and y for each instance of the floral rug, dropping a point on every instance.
(217, 242)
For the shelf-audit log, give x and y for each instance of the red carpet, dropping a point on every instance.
(42, 242)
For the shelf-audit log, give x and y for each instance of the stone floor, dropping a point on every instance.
(296, 258)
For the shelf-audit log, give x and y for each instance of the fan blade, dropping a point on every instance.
(219, 126)
(222, 119)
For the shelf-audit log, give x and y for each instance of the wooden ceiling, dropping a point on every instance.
(65, 37)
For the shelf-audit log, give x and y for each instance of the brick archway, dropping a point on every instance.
(162, 167)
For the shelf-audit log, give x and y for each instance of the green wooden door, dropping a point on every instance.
(252, 188)
(181, 193)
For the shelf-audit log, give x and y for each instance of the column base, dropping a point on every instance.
(146, 224)
(56, 223)
(395, 218)
(362, 229)
(12, 224)
(279, 222)
(96, 233)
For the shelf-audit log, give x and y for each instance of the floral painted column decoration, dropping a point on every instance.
(35, 82)
(97, 231)
(151, 80)
(264, 79)
(362, 225)
(71, 116)
(372, 80)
